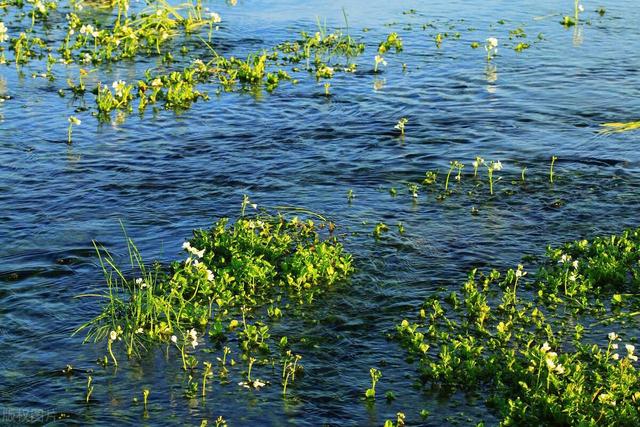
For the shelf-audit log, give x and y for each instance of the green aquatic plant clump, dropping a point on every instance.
(529, 358)
(584, 269)
(231, 271)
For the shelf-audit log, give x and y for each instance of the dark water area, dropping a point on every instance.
(165, 174)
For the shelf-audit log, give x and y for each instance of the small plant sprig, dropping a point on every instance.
(89, 389)
(377, 60)
(350, 195)
(491, 46)
(73, 121)
(190, 337)
(479, 161)
(375, 374)
(492, 167)
(452, 165)
(553, 160)
(289, 369)
(113, 336)
(208, 372)
(145, 397)
(379, 230)
(401, 124)
(400, 417)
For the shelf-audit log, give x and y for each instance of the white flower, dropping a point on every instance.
(565, 258)
(214, 17)
(380, 60)
(174, 339)
(613, 336)
(550, 364)
(118, 87)
(3, 33)
(158, 83)
(139, 281)
(74, 120)
(630, 349)
(192, 334)
(113, 335)
(40, 6)
(575, 264)
(614, 346)
(87, 29)
(545, 347)
(139, 331)
(210, 276)
(198, 253)
(186, 246)
(492, 43)
(560, 369)
(615, 356)
(580, 8)
(255, 206)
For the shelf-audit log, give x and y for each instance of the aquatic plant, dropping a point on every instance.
(375, 374)
(401, 124)
(452, 165)
(89, 389)
(492, 167)
(479, 161)
(491, 47)
(400, 417)
(73, 121)
(145, 397)
(553, 160)
(260, 262)
(614, 127)
(534, 363)
(378, 59)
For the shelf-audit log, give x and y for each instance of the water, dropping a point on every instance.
(165, 174)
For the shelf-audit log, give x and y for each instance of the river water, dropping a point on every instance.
(165, 174)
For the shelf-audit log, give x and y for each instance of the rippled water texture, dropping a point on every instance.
(165, 174)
